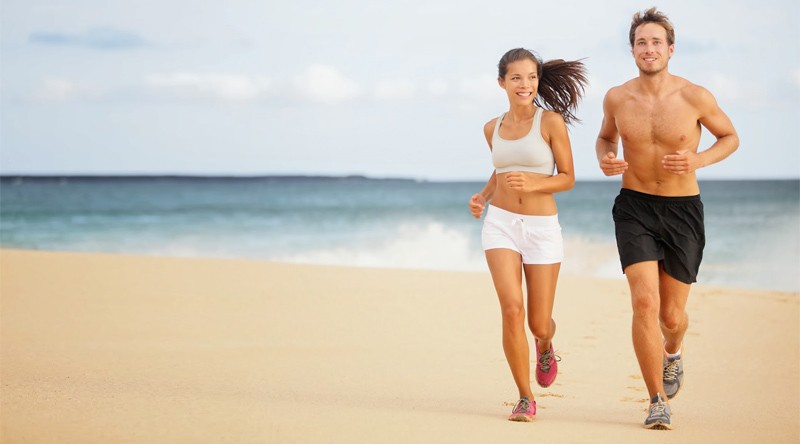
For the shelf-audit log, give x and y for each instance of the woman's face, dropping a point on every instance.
(521, 82)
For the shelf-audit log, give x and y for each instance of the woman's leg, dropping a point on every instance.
(541, 283)
(506, 269)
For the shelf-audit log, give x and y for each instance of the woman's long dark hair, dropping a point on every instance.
(561, 83)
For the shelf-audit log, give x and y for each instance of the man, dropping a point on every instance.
(658, 215)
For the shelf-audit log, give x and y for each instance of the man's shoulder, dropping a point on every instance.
(620, 92)
(690, 90)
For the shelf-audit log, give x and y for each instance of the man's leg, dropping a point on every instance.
(673, 317)
(643, 279)
(674, 322)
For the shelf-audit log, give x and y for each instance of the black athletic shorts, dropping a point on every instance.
(657, 228)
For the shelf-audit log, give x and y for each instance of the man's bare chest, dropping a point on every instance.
(670, 124)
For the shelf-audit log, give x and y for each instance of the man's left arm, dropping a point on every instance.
(717, 123)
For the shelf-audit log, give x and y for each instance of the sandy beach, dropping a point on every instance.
(129, 349)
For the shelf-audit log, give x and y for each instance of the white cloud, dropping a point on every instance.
(724, 87)
(395, 89)
(596, 87)
(56, 89)
(322, 83)
(438, 87)
(95, 38)
(484, 87)
(235, 87)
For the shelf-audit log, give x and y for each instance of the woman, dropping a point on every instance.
(521, 232)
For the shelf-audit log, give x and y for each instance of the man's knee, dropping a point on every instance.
(644, 286)
(645, 303)
(671, 319)
(645, 311)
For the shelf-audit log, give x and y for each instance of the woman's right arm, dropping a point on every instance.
(478, 201)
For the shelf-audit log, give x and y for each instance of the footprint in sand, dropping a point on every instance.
(636, 400)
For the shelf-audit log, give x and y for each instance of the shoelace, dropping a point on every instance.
(671, 370)
(523, 405)
(658, 408)
(544, 360)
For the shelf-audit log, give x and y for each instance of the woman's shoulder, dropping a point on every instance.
(488, 130)
(552, 118)
(488, 127)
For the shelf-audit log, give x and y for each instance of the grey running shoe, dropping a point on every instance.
(660, 415)
(673, 376)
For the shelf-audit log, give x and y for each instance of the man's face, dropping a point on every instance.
(651, 51)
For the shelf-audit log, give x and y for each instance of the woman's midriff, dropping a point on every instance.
(532, 203)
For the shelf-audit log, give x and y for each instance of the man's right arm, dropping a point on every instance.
(608, 140)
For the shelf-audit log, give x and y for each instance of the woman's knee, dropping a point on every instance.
(541, 328)
(513, 315)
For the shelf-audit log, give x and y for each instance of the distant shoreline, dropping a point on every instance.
(290, 177)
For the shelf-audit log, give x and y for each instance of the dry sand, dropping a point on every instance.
(106, 349)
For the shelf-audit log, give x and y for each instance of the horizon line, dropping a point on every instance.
(139, 176)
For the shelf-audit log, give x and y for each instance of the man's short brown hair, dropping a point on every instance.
(652, 15)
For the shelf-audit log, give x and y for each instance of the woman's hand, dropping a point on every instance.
(523, 182)
(476, 205)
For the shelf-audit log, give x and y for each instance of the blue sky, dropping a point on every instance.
(397, 89)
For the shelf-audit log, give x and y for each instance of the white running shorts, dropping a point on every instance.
(536, 238)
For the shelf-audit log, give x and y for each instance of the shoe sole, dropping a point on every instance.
(658, 425)
(521, 418)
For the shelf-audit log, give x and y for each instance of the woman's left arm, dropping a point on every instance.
(554, 131)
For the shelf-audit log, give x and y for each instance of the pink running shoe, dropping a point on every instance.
(546, 366)
(524, 411)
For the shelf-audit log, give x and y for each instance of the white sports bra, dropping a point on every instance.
(529, 154)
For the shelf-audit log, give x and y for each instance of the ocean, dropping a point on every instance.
(752, 227)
